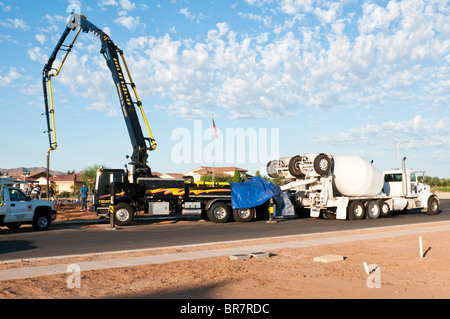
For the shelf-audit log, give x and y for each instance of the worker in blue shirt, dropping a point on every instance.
(83, 194)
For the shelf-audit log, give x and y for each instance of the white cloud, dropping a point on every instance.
(258, 3)
(296, 6)
(4, 7)
(422, 132)
(377, 17)
(7, 38)
(40, 38)
(93, 83)
(55, 19)
(327, 16)
(254, 17)
(127, 5)
(251, 77)
(14, 24)
(131, 23)
(187, 13)
(7, 79)
(104, 3)
(35, 54)
(393, 52)
(32, 89)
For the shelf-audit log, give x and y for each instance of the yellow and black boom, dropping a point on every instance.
(123, 82)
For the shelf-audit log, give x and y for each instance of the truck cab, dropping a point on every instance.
(407, 192)
(17, 208)
(399, 183)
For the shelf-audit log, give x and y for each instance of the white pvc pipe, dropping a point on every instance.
(366, 268)
(421, 247)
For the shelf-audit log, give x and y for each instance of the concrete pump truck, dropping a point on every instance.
(135, 189)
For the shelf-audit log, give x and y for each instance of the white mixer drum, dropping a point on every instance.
(354, 176)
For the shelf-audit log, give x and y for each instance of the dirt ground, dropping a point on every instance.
(286, 274)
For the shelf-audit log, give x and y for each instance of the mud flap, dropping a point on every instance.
(315, 212)
(341, 212)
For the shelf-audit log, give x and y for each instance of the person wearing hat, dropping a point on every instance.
(83, 194)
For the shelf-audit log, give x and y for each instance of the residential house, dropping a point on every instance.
(32, 176)
(198, 172)
(172, 175)
(63, 183)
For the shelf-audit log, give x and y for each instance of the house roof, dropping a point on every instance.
(31, 177)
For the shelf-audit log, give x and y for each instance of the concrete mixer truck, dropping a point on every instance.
(342, 186)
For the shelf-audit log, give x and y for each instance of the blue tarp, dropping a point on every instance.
(256, 192)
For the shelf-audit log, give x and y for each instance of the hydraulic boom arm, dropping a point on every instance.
(111, 54)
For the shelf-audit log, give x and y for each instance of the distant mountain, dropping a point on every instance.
(30, 169)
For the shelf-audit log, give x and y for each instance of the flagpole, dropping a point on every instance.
(213, 149)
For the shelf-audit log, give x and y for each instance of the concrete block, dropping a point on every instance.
(329, 258)
(240, 257)
(261, 254)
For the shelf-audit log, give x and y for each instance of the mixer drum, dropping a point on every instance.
(354, 176)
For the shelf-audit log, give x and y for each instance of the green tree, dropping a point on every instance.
(435, 181)
(237, 176)
(276, 180)
(88, 175)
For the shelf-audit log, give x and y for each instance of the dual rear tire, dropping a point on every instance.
(372, 209)
(221, 213)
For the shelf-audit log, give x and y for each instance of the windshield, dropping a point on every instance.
(393, 177)
(16, 195)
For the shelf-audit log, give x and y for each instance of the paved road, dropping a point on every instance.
(58, 241)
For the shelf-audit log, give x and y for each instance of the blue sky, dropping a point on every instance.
(293, 76)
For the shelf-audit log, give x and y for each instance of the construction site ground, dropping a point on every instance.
(288, 272)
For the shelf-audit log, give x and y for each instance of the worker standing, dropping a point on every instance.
(83, 194)
(36, 191)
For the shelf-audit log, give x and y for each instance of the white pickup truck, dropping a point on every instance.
(17, 208)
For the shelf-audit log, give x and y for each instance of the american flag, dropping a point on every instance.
(214, 128)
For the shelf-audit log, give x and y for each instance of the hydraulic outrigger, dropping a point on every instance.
(141, 145)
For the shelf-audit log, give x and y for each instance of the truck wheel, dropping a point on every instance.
(219, 213)
(124, 214)
(271, 168)
(243, 215)
(41, 220)
(322, 164)
(373, 210)
(356, 210)
(294, 166)
(433, 206)
(384, 208)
